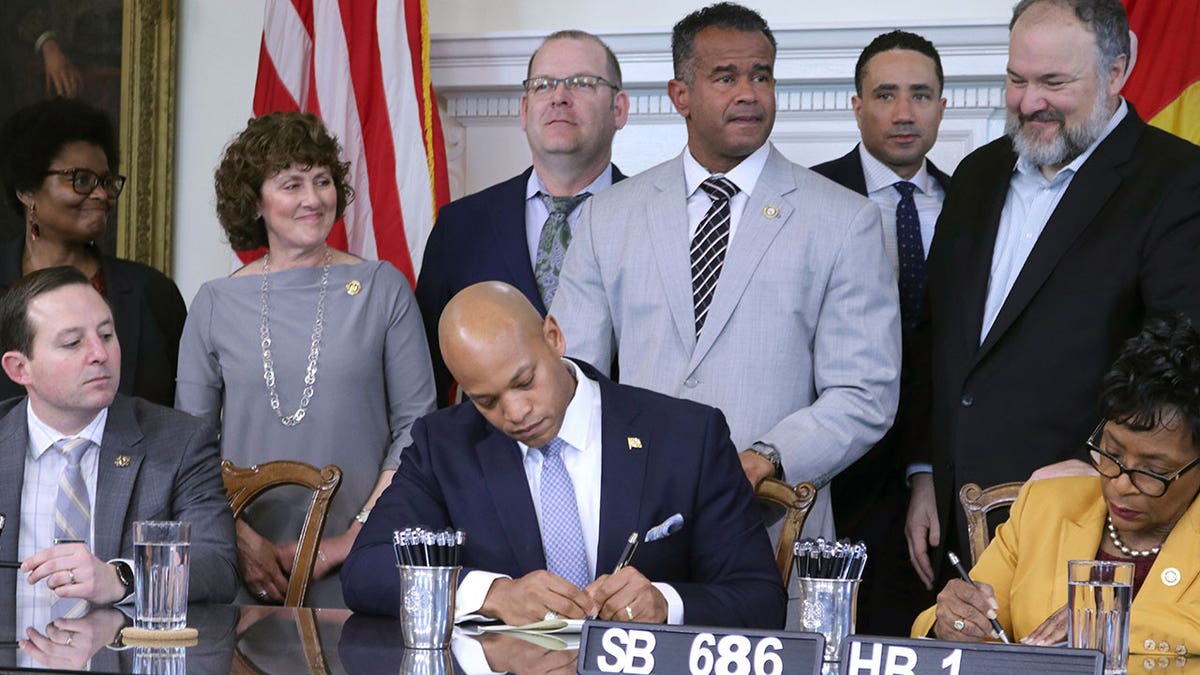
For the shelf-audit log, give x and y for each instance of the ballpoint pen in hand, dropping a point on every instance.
(627, 554)
(967, 578)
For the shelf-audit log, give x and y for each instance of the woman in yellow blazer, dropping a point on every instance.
(1142, 507)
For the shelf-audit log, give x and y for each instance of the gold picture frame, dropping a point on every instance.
(147, 131)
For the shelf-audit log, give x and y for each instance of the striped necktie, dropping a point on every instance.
(709, 245)
(72, 515)
(562, 534)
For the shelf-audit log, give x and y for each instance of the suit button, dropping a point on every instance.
(691, 382)
(1164, 647)
(1148, 644)
(967, 400)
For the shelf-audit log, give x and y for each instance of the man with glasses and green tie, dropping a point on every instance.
(518, 231)
(82, 463)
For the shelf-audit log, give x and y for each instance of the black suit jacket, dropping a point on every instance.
(462, 472)
(1123, 243)
(480, 237)
(148, 313)
(878, 476)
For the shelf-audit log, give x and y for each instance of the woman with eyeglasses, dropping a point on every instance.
(58, 163)
(1141, 508)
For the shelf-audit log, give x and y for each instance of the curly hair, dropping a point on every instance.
(268, 145)
(34, 135)
(1156, 378)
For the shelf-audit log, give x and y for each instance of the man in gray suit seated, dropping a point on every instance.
(82, 463)
(731, 276)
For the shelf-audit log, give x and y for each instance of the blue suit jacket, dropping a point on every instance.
(462, 472)
(480, 237)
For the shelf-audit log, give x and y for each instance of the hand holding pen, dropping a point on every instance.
(959, 609)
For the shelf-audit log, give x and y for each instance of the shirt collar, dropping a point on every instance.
(576, 419)
(535, 185)
(879, 175)
(1027, 168)
(744, 175)
(42, 436)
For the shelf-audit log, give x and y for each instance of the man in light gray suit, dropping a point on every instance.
(733, 277)
(82, 463)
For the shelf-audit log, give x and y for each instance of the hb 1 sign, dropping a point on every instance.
(866, 655)
(645, 649)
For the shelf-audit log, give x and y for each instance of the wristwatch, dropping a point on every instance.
(771, 455)
(124, 575)
(362, 516)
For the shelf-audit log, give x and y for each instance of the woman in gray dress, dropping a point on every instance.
(347, 370)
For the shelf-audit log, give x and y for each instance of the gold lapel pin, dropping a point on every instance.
(353, 287)
(121, 461)
(635, 443)
(771, 211)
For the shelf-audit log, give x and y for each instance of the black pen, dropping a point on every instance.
(627, 554)
(967, 578)
(10, 564)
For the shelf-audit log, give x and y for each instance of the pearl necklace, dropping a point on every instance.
(1116, 540)
(314, 351)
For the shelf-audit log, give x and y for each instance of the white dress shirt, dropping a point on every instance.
(39, 494)
(536, 212)
(744, 176)
(928, 197)
(1030, 202)
(583, 460)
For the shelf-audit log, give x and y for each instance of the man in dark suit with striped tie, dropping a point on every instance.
(518, 231)
(898, 105)
(83, 463)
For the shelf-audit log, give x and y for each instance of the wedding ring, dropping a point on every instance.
(71, 576)
(959, 624)
(550, 615)
(263, 595)
(629, 612)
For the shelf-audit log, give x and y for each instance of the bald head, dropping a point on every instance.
(507, 360)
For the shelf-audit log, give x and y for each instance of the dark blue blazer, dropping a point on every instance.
(462, 472)
(480, 237)
(847, 171)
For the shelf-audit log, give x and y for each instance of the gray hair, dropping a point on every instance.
(1106, 19)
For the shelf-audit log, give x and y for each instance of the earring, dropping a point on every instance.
(35, 230)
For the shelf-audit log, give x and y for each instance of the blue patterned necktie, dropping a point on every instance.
(72, 514)
(562, 534)
(553, 243)
(709, 245)
(911, 254)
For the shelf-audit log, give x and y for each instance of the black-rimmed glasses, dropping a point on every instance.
(1147, 482)
(84, 181)
(545, 85)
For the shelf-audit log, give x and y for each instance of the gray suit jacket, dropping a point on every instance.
(173, 473)
(801, 347)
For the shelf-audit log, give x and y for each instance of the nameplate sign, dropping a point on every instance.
(868, 655)
(642, 649)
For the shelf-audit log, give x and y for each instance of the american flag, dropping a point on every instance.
(362, 66)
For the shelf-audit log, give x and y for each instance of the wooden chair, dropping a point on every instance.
(798, 501)
(977, 503)
(244, 485)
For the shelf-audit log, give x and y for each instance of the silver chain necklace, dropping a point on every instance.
(314, 351)
(1133, 553)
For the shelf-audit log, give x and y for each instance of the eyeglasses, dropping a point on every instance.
(84, 181)
(544, 85)
(1147, 482)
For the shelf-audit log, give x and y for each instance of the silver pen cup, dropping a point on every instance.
(427, 605)
(829, 607)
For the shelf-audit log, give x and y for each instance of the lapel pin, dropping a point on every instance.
(1171, 576)
(635, 443)
(771, 211)
(353, 287)
(121, 461)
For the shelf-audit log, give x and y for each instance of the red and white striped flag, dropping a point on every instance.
(362, 66)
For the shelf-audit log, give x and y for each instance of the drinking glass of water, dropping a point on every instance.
(160, 574)
(1098, 597)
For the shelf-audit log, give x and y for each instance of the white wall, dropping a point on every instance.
(479, 53)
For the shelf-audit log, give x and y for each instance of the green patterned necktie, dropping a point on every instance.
(553, 243)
